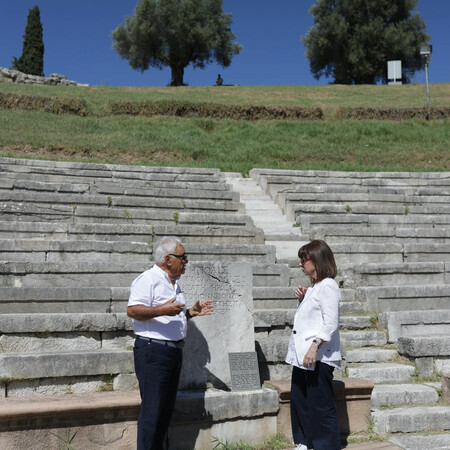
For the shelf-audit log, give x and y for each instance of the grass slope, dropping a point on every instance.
(230, 145)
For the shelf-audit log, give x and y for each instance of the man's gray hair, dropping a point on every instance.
(166, 245)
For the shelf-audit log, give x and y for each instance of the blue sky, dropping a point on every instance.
(78, 44)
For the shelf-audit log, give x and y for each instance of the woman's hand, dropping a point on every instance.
(309, 361)
(300, 292)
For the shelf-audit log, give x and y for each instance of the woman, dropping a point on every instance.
(314, 352)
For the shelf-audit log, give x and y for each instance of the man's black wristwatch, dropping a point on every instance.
(319, 344)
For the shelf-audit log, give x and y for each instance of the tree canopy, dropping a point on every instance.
(176, 33)
(32, 59)
(352, 40)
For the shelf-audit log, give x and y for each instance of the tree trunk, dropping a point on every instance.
(177, 75)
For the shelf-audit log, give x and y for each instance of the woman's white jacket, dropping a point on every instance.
(317, 316)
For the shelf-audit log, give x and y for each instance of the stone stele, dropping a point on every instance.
(229, 329)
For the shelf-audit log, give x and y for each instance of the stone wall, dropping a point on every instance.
(15, 76)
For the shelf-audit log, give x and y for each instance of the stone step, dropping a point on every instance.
(208, 234)
(415, 323)
(363, 338)
(285, 179)
(392, 274)
(41, 251)
(281, 317)
(364, 355)
(86, 214)
(271, 349)
(108, 171)
(108, 419)
(310, 221)
(283, 297)
(355, 322)
(46, 323)
(349, 307)
(70, 274)
(424, 346)
(64, 299)
(286, 248)
(360, 252)
(388, 209)
(44, 199)
(23, 366)
(405, 297)
(369, 187)
(373, 445)
(261, 208)
(403, 394)
(434, 441)
(379, 197)
(113, 273)
(381, 234)
(382, 372)
(409, 420)
(116, 189)
(270, 275)
(65, 341)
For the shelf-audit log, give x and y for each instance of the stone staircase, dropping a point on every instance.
(74, 236)
(390, 236)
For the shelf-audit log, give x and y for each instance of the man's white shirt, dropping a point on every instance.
(154, 288)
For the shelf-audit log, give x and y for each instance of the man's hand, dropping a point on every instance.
(141, 312)
(201, 308)
(170, 308)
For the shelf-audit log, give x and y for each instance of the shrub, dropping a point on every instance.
(47, 104)
(393, 113)
(206, 110)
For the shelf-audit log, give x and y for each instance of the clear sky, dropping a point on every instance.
(78, 44)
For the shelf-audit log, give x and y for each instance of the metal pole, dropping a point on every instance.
(426, 80)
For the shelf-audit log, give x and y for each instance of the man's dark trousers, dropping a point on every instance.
(158, 370)
(313, 411)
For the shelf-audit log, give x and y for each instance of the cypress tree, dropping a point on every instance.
(32, 59)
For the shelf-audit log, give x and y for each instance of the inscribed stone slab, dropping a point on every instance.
(244, 371)
(229, 329)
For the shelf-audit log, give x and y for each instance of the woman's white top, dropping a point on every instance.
(317, 316)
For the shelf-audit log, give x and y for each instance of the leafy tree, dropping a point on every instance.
(176, 33)
(32, 59)
(353, 39)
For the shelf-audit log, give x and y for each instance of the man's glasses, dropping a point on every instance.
(183, 257)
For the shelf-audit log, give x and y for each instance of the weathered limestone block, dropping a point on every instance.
(425, 366)
(125, 382)
(57, 386)
(15, 76)
(229, 329)
(446, 387)
(48, 342)
(420, 346)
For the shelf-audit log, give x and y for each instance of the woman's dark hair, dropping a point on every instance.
(322, 257)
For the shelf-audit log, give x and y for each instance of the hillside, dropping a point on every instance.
(234, 145)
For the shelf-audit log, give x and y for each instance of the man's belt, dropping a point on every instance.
(174, 344)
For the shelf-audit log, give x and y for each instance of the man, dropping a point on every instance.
(158, 309)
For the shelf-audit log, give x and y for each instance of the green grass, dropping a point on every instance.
(230, 145)
(329, 97)
(277, 442)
